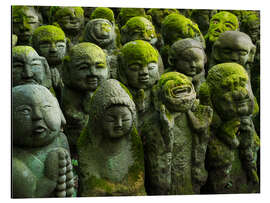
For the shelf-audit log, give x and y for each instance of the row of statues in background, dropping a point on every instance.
(156, 102)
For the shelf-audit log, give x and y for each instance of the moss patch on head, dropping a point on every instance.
(22, 50)
(48, 33)
(102, 12)
(138, 50)
(126, 13)
(158, 15)
(138, 22)
(175, 77)
(64, 11)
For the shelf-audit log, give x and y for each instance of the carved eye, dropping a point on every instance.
(215, 22)
(135, 67)
(18, 65)
(83, 67)
(243, 52)
(100, 65)
(152, 66)
(60, 45)
(228, 25)
(24, 110)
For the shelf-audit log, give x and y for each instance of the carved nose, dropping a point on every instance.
(36, 114)
(27, 73)
(144, 71)
(118, 123)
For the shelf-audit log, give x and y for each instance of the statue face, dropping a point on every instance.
(117, 121)
(36, 116)
(221, 22)
(235, 49)
(103, 30)
(25, 21)
(178, 94)
(191, 62)
(87, 71)
(53, 50)
(233, 97)
(142, 75)
(70, 21)
(29, 67)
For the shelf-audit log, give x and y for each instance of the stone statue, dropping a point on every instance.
(14, 40)
(126, 13)
(41, 165)
(232, 149)
(140, 28)
(45, 12)
(233, 46)
(138, 70)
(71, 20)
(175, 138)
(25, 19)
(175, 27)
(110, 150)
(29, 67)
(50, 42)
(187, 56)
(84, 69)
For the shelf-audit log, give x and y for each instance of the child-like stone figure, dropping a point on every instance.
(71, 20)
(175, 138)
(187, 56)
(138, 70)
(25, 19)
(110, 150)
(41, 165)
(232, 150)
(50, 42)
(85, 68)
(126, 13)
(29, 67)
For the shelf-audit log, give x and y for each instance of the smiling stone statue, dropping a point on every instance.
(41, 165)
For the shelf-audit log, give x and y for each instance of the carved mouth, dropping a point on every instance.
(180, 91)
(92, 80)
(144, 78)
(28, 81)
(242, 101)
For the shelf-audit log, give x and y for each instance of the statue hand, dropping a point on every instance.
(229, 132)
(246, 130)
(166, 119)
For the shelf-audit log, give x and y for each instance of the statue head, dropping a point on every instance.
(221, 22)
(70, 19)
(138, 28)
(37, 117)
(112, 110)
(187, 56)
(158, 14)
(138, 65)
(175, 91)
(126, 13)
(85, 67)
(29, 67)
(25, 19)
(50, 41)
(251, 26)
(230, 91)
(99, 31)
(176, 26)
(102, 12)
(233, 46)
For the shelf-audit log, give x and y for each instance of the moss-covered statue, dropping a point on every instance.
(187, 56)
(101, 32)
(138, 70)
(29, 67)
(126, 13)
(71, 20)
(50, 42)
(233, 46)
(175, 27)
(25, 19)
(140, 28)
(232, 149)
(175, 138)
(202, 18)
(41, 165)
(110, 150)
(84, 69)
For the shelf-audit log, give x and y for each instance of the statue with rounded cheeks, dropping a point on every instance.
(175, 138)
(110, 150)
(251, 26)
(29, 67)
(219, 23)
(139, 71)
(41, 165)
(25, 19)
(187, 56)
(232, 150)
(233, 46)
(84, 69)
(71, 20)
(126, 13)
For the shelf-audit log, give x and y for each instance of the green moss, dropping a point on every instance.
(59, 12)
(126, 89)
(139, 50)
(102, 12)
(126, 13)
(22, 50)
(48, 33)
(158, 15)
(175, 78)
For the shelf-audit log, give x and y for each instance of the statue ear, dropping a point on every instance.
(121, 66)
(252, 54)
(171, 60)
(65, 70)
(48, 81)
(124, 34)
